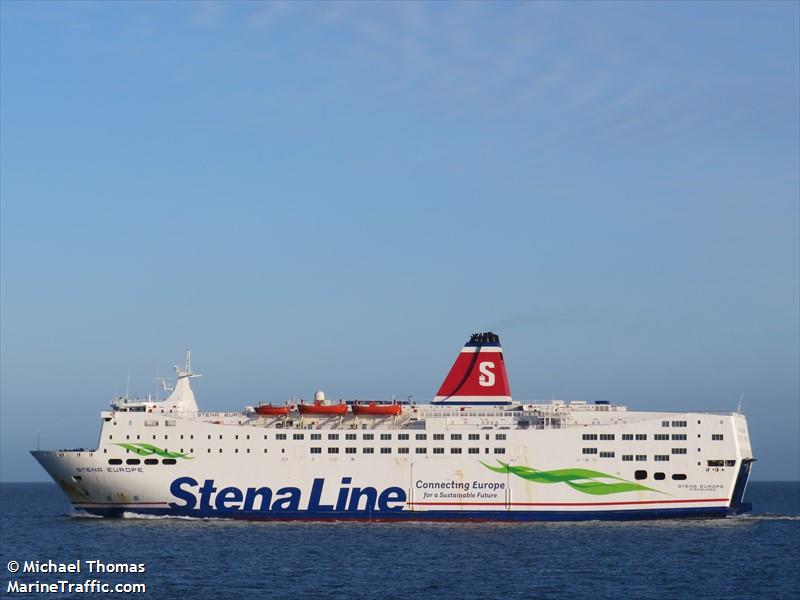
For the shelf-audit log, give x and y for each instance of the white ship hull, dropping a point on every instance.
(513, 485)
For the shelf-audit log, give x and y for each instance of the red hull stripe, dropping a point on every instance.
(467, 503)
(564, 503)
(118, 503)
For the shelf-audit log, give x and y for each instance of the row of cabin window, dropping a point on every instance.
(332, 450)
(147, 461)
(352, 436)
(386, 450)
(642, 436)
(676, 423)
(610, 454)
(659, 476)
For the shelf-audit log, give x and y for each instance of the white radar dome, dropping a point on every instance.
(319, 396)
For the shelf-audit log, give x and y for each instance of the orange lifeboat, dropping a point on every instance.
(269, 410)
(375, 409)
(318, 408)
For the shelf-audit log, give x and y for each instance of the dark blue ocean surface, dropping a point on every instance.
(754, 556)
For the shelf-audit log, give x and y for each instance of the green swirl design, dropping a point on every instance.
(586, 485)
(149, 449)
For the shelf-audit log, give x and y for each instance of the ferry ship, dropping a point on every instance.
(472, 453)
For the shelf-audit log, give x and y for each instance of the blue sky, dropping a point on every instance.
(336, 195)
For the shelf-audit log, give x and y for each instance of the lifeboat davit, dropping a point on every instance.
(375, 409)
(318, 408)
(269, 410)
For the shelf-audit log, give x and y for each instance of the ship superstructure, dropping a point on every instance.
(473, 453)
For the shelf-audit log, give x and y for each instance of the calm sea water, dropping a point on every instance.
(755, 556)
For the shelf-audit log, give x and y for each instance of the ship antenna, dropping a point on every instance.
(739, 407)
(128, 386)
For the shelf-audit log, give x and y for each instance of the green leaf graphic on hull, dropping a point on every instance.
(149, 449)
(582, 480)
